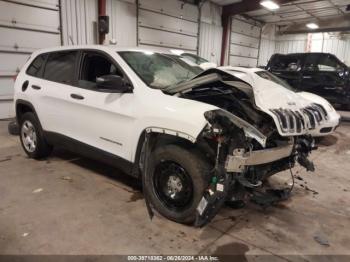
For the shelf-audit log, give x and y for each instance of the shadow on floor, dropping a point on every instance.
(99, 168)
(329, 140)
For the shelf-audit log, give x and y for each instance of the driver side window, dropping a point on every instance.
(93, 66)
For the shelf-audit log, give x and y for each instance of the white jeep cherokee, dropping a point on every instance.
(195, 140)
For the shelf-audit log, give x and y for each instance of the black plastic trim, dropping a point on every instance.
(88, 151)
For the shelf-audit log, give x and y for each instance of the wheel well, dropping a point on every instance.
(22, 109)
(160, 139)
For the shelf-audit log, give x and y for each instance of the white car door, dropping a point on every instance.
(52, 100)
(100, 118)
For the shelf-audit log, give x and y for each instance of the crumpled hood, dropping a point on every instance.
(285, 106)
(292, 114)
(267, 94)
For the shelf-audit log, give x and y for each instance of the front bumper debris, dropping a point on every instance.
(240, 158)
(236, 169)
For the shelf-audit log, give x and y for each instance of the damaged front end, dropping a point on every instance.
(244, 157)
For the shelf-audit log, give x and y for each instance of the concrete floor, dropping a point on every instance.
(70, 205)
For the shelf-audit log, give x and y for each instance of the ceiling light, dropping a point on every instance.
(312, 26)
(271, 5)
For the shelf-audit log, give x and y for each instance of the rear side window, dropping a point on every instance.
(60, 67)
(36, 67)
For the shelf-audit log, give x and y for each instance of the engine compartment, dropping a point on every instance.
(224, 139)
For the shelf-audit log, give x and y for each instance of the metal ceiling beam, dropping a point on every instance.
(330, 25)
(296, 12)
(246, 6)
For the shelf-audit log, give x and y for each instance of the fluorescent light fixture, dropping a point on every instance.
(271, 5)
(312, 25)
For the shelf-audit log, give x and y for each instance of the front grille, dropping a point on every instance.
(297, 121)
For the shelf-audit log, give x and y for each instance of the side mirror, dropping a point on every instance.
(113, 84)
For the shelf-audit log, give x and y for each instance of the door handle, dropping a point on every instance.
(36, 87)
(76, 96)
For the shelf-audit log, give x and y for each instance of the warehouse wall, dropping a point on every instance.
(291, 43)
(29, 25)
(333, 43)
(79, 22)
(123, 18)
(210, 36)
(24, 27)
(267, 44)
(167, 24)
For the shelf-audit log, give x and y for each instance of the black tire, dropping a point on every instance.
(13, 128)
(42, 148)
(197, 171)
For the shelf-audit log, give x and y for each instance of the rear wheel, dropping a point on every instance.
(176, 182)
(32, 137)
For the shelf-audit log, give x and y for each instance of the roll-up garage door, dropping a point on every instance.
(25, 25)
(244, 42)
(168, 24)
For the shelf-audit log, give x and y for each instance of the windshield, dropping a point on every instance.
(271, 77)
(187, 63)
(194, 58)
(158, 70)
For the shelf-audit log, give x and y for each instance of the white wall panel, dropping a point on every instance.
(267, 49)
(245, 28)
(168, 24)
(242, 61)
(291, 43)
(26, 41)
(244, 42)
(24, 27)
(52, 4)
(122, 21)
(211, 13)
(166, 39)
(27, 17)
(79, 18)
(13, 63)
(174, 8)
(210, 42)
(244, 51)
(267, 44)
(210, 35)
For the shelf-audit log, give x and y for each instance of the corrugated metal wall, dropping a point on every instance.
(291, 43)
(244, 42)
(122, 22)
(79, 19)
(210, 35)
(168, 24)
(267, 44)
(24, 27)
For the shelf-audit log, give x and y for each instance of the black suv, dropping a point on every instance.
(320, 73)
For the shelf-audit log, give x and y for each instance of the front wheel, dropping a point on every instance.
(176, 182)
(32, 137)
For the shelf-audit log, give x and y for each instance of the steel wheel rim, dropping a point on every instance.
(29, 136)
(173, 185)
